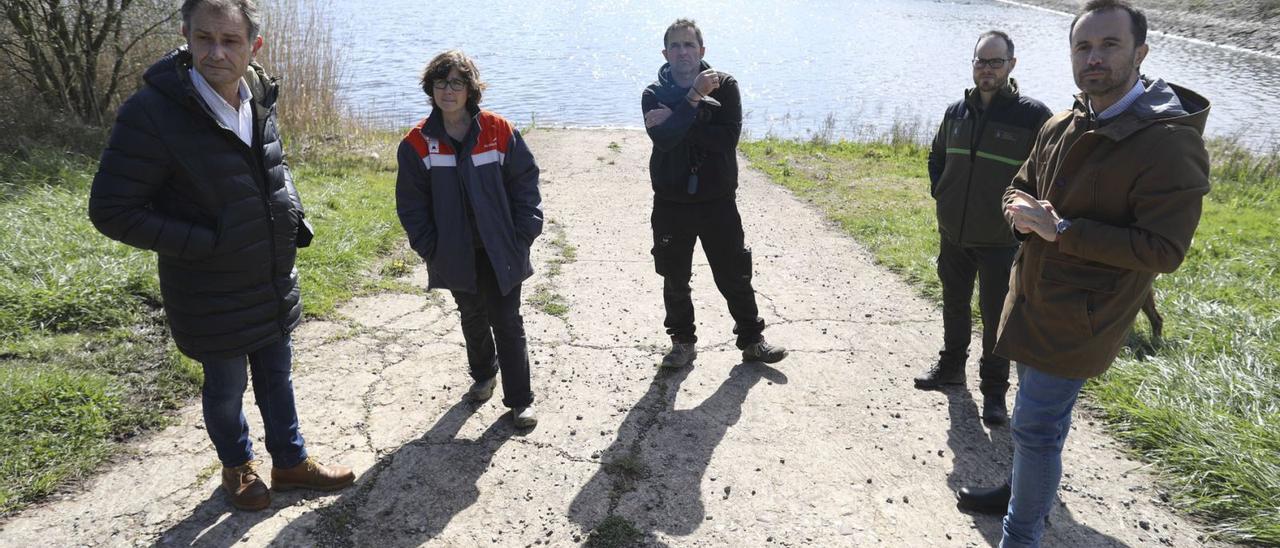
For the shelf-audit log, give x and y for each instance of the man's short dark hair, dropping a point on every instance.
(441, 65)
(1137, 20)
(247, 8)
(682, 23)
(1007, 41)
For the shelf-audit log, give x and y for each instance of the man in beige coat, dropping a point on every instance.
(1110, 197)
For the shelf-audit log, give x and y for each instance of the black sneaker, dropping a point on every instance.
(939, 375)
(763, 352)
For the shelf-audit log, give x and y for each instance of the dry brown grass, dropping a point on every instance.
(299, 49)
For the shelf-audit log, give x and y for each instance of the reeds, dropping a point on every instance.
(299, 49)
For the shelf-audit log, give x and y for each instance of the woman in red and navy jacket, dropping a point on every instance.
(467, 195)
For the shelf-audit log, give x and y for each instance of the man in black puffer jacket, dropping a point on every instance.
(194, 171)
(694, 116)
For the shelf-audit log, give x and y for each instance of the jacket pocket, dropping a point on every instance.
(1063, 311)
(1070, 292)
(1081, 276)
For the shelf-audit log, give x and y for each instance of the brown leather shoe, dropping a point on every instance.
(310, 474)
(245, 486)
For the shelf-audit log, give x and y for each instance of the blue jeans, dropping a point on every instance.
(1041, 421)
(223, 394)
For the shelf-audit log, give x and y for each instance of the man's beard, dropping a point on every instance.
(988, 86)
(1111, 82)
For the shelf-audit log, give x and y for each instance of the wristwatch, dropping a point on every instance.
(1063, 225)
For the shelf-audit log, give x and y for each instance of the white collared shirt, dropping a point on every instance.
(238, 120)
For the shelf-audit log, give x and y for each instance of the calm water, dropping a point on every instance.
(866, 63)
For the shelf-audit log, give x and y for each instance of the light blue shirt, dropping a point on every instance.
(1124, 103)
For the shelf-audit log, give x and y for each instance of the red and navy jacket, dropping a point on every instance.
(495, 173)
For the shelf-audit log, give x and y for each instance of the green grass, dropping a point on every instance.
(545, 297)
(1204, 405)
(85, 358)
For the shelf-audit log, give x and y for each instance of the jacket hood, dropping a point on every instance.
(1162, 102)
(169, 76)
(666, 87)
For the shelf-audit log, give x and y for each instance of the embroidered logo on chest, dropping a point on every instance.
(1006, 135)
(433, 146)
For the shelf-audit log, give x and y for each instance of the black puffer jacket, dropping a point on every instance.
(222, 217)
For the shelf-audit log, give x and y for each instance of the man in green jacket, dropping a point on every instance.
(1110, 196)
(980, 145)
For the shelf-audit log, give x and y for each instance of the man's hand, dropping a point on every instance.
(656, 116)
(1032, 215)
(706, 82)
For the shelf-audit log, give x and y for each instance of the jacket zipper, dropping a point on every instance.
(257, 162)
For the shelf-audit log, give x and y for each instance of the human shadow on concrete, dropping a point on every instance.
(214, 522)
(650, 478)
(409, 496)
(983, 458)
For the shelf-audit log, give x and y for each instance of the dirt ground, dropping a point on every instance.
(1249, 24)
(832, 447)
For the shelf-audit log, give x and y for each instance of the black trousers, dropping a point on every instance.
(676, 226)
(490, 316)
(957, 268)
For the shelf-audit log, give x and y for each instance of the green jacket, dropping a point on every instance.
(974, 156)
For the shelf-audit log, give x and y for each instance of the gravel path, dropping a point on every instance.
(831, 448)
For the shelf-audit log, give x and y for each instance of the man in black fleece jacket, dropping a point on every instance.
(693, 114)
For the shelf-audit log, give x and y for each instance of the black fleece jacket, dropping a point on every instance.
(699, 139)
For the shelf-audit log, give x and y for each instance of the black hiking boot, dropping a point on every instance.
(941, 374)
(763, 352)
(994, 412)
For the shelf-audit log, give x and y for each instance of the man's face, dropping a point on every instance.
(683, 51)
(220, 45)
(992, 50)
(1103, 56)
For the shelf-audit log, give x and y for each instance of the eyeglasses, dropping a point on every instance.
(455, 84)
(993, 63)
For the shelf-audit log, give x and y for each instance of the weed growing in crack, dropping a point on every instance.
(545, 297)
(614, 532)
(628, 469)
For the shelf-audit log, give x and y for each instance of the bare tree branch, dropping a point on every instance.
(74, 53)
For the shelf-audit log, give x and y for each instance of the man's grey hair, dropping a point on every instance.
(247, 8)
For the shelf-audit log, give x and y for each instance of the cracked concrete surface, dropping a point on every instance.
(832, 447)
